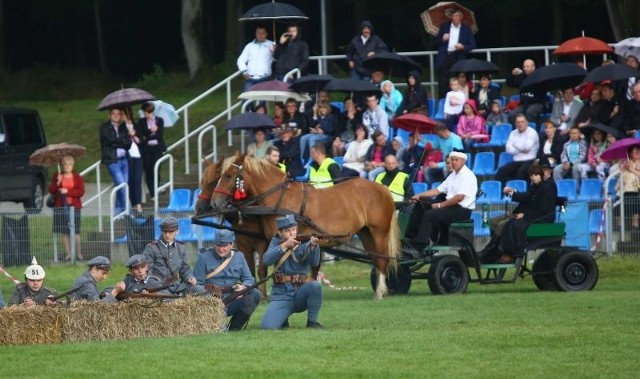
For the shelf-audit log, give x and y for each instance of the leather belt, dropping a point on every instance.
(298, 279)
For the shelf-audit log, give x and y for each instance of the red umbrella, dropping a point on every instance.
(583, 45)
(415, 122)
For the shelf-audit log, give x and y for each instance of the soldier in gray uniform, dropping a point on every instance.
(98, 271)
(32, 291)
(139, 279)
(226, 269)
(293, 291)
(168, 261)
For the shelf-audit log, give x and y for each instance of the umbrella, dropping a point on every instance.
(250, 120)
(612, 72)
(165, 111)
(618, 149)
(272, 90)
(311, 83)
(629, 46)
(350, 85)
(415, 122)
(273, 12)
(474, 65)
(440, 13)
(583, 45)
(604, 128)
(556, 76)
(390, 63)
(124, 98)
(52, 154)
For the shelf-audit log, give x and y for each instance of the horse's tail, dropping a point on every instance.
(393, 244)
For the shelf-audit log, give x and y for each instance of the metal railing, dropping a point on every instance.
(167, 184)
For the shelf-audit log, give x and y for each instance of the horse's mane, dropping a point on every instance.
(259, 167)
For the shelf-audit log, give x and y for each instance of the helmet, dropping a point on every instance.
(35, 271)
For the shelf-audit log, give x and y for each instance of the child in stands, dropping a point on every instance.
(496, 116)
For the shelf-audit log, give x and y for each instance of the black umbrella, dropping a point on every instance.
(390, 63)
(612, 72)
(605, 129)
(350, 85)
(474, 65)
(552, 77)
(250, 120)
(273, 12)
(311, 83)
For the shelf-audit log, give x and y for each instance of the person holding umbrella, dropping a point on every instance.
(153, 146)
(362, 46)
(68, 188)
(115, 141)
(291, 52)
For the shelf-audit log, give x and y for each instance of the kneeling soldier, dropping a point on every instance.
(33, 292)
(224, 269)
(292, 291)
(138, 279)
(99, 268)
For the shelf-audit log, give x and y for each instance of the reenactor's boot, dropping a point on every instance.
(239, 321)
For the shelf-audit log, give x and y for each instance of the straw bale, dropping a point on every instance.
(95, 321)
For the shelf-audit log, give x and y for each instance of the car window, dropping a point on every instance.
(22, 129)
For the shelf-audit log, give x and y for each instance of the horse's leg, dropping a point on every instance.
(246, 247)
(372, 244)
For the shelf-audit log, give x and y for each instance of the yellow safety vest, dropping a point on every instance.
(321, 178)
(282, 167)
(397, 184)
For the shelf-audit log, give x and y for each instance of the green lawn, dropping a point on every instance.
(491, 331)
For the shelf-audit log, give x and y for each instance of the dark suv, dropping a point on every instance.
(21, 133)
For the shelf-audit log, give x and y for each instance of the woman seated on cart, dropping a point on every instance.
(537, 205)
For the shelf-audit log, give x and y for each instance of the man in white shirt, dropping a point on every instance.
(375, 118)
(430, 221)
(454, 41)
(256, 58)
(523, 143)
(566, 110)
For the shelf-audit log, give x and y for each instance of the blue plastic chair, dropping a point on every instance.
(404, 134)
(590, 190)
(433, 139)
(499, 135)
(469, 160)
(431, 105)
(478, 230)
(483, 163)
(180, 201)
(439, 116)
(612, 187)
(185, 230)
(194, 200)
(305, 177)
(504, 158)
(419, 187)
(514, 98)
(492, 192)
(595, 217)
(567, 188)
(518, 185)
(156, 228)
(435, 184)
(208, 232)
(339, 160)
(339, 105)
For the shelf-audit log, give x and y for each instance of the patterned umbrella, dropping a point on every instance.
(440, 13)
(124, 98)
(52, 154)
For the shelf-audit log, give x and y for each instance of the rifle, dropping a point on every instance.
(156, 289)
(136, 295)
(66, 293)
(218, 291)
(306, 237)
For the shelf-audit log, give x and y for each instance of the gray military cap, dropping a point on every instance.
(286, 222)
(223, 237)
(169, 224)
(100, 262)
(136, 260)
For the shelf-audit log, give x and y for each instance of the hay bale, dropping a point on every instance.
(94, 321)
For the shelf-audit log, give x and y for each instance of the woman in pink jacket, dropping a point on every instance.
(470, 125)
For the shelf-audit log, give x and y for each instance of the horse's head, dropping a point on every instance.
(231, 183)
(210, 178)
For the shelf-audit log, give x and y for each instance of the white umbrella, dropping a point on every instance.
(165, 111)
(629, 46)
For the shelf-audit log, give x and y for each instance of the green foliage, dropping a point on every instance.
(492, 331)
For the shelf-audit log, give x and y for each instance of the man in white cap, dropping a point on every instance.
(98, 271)
(293, 291)
(139, 279)
(32, 291)
(430, 221)
(225, 269)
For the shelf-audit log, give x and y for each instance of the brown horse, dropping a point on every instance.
(353, 206)
(245, 243)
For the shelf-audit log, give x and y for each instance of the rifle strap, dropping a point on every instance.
(282, 259)
(221, 267)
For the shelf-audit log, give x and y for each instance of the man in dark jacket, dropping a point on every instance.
(454, 41)
(531, 103)
(362, 46)
(291, 52)
(115, 142)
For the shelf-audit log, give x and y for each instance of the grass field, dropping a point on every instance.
(491, 331)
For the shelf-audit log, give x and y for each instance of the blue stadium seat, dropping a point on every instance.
(499, 135)
(185, 233)
(431, 138)
(483, 163)
(518, 185)
(469, 161)
(533, 126)
(612, 187)
(156, 228)
(339, 105)
(478, 230)
(339, 160)
(504, 158)
(435, 184)
(567, 188)
(307, 169)
(590, 190)
(208, 232)
(404, 134)
(431, 106)
(194, 200)
(439, 116)
(179, 201)
(595, 218)
(492, 192)
(419, 187)
(514, 98)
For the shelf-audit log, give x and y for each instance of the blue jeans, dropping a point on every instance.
(119, 171)
(250, 82)
(307, 298)
(308, 140)
(358, 76)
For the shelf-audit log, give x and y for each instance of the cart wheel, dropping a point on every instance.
(576, 271)
(542, 271)
(398, 282)
(447, 274)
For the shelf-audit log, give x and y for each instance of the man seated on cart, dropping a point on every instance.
(430, 220)
(537, 205)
